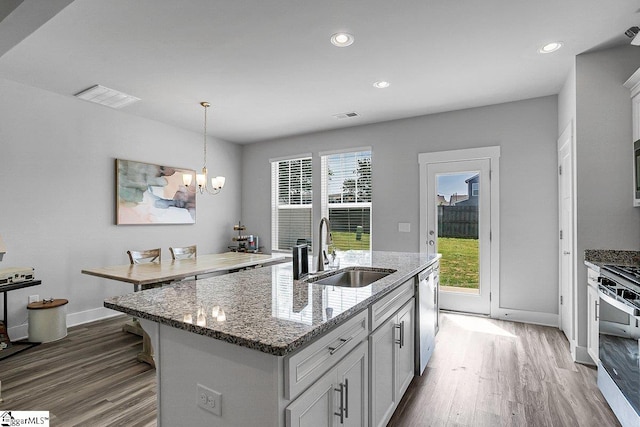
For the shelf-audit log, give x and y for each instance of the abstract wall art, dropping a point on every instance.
(153, 194)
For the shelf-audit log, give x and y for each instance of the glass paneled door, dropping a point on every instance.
(458, 224)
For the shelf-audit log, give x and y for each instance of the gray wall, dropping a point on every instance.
(526, 131)
(606, 218)
(57, 171)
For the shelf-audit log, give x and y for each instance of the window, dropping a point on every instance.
(346, 198)
(291, 203)
(475, 189)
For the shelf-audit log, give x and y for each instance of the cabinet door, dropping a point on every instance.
(353, 376)
(593, 322)
(405, 348)
(382, 372)
(316, 406)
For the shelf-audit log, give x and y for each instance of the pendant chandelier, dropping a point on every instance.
(201, 178)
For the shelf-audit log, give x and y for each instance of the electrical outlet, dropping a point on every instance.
(34, 298)
(209, 400)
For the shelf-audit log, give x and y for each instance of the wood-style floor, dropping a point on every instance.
(90, 378)
(488, 372)
(483, 373)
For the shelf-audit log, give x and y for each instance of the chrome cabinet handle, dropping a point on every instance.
(401, 327)
(346, 397)
(340, 412)
(332, 350)
(597, 306)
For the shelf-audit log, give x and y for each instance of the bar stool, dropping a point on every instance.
(184, 252)
(142, 257)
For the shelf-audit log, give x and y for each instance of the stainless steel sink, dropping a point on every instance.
(353, 277)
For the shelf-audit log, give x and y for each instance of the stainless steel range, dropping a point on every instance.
(619, 333)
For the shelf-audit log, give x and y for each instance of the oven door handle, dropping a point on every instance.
(618, 304)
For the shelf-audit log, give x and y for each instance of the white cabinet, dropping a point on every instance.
(405, 367)
(353, 374)
(391, 349)
(315, 407)
(306, 366)
(338, 398)
(593, 316)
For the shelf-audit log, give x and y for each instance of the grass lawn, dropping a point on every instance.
(459, 263)
(343, 241)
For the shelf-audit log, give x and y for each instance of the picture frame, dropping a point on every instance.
(147, 193)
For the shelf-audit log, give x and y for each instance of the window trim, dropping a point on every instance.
(324, 196)
(275, 206)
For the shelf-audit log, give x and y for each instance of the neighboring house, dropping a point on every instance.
(473, 189)
(441, 200)
(457, 199)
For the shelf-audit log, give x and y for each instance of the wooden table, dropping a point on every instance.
(141, 275)
(153, 273)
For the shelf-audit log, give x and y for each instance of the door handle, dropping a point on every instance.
(343, 342)
(346, 397)
(401, 327)
(340, 412)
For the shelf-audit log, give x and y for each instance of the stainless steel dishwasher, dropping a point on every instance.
(427, 313)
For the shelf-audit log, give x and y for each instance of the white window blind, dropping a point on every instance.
(291, 203)
(346, 198)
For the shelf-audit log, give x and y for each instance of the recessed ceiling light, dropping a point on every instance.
(550, 47)
(342, 39)
(381, 84)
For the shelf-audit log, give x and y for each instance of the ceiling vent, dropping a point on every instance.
(346, 115)
(105, 96)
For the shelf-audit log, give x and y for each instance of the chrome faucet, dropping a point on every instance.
(322, 256)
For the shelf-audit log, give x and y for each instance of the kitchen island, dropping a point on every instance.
(256, 347)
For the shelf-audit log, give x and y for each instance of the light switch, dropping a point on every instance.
(404, 227)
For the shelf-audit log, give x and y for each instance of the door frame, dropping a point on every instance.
(567, 137)
(493, 154)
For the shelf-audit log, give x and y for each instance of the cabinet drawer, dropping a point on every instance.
(592, 278)
(387, 306)
(307, 365)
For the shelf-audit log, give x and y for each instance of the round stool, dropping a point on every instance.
(47, 320)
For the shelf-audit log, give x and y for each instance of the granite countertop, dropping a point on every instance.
(595, 258)
(265, 309)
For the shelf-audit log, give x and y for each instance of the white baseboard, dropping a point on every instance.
(19, 332)
(534, 317)
(82, 317)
